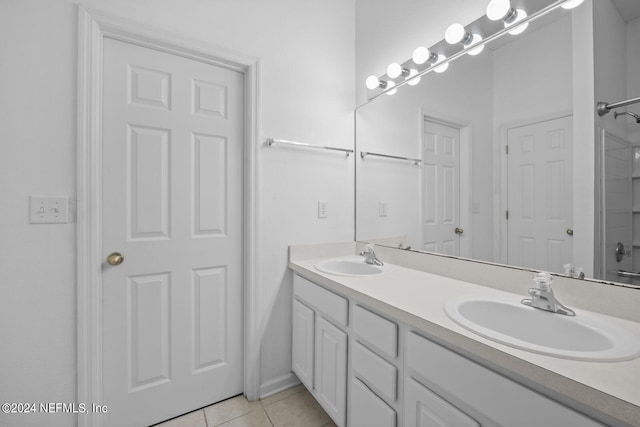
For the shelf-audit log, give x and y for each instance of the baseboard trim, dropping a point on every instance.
(278, 384)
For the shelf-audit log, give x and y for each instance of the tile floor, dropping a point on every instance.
(294, 407)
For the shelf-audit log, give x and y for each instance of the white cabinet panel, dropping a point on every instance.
(367, 409)
(376, 330)
(423, 408)
(303, 343)
(375, 371)
(334, 307)
(331, 370)
(501, 400)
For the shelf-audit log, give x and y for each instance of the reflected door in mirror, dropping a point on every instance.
(441, 188)
(540, 194)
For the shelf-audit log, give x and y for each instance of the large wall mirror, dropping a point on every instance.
(503, 158)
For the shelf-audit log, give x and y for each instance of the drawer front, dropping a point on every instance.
(425, 408)
(333, 306)
(485, 392)
(375, 371)
(367, 409)
(376, 330)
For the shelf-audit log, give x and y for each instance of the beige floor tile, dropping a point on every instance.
(257, 418)
(229, 409)
(330, 424)
(192, 419)
(283, 394)
(297, 410)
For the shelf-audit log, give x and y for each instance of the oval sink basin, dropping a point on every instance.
(581, 337)
(353, 266)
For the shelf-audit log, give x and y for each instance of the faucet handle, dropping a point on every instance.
(543, 281)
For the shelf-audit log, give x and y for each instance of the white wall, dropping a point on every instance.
(633, 82)
(307, 60)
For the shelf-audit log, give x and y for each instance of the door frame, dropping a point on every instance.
(93, 28)
(466, 175)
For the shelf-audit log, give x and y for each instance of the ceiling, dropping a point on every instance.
(629, 9)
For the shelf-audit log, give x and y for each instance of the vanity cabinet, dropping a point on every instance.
(441, 384)
(319, 345)
(396, 376)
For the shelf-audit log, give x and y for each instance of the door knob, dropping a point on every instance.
(459, 230)
(115, 258)
(570, 231)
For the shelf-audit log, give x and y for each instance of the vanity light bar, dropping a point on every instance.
(389, 86)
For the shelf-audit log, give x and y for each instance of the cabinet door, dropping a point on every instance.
(303, 343)
(331, 370)
(367, 409)
(423, 408)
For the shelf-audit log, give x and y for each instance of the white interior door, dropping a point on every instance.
(172, 206)
(540, 195)
(441, 189)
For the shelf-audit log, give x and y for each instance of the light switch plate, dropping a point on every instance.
(48, 210)
(383, 209)
(323, 209)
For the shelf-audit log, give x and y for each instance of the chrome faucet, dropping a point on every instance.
(542, 296)
(370, 256)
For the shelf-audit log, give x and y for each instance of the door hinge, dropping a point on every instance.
(506, 215)
(506, 149)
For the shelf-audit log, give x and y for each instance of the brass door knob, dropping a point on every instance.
(115, 258)
(570, 231)
(459, 230)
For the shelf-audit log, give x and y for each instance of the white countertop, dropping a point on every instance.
(417, 298)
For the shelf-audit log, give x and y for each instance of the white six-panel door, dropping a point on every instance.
(540, 195)
(172, 206)
(440, 188)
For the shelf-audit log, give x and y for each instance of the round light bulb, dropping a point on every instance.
(420, 55)
(521, 15)
(455, 34)
(394, 70)
(498, 9)
(441, 68)
(477, 38)
(413, 72)
(571, 4)
(372, 82)
(391, 84)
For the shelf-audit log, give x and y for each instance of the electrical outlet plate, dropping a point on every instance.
(48, 210)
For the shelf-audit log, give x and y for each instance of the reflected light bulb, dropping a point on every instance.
(571, 4)
(413, 72)
(372, 82)
(441, 68)
(420, 55)
(498, 9)
(455, 34)
(394, 70)
(477, 38)
(391, 84)
(521, 15)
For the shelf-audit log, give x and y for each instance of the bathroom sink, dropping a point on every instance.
(585, 336)
(353, 266)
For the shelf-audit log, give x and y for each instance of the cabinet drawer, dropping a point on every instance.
(481, 392)
(375, 371)
(332, 306)
(367, 409)
(376, 330)
(423, 407)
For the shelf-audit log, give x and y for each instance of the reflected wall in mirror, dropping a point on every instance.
(542, 204)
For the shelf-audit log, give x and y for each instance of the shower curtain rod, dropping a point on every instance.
(603, 107)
